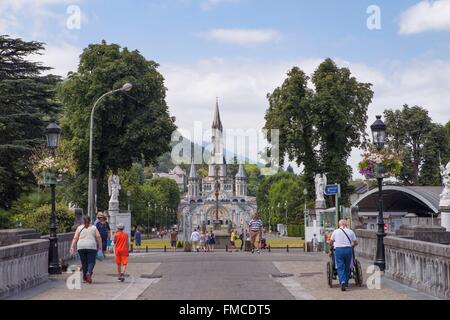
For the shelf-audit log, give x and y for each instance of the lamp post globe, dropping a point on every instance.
(127, 87)
(378, 129)
(379, 138)
(53, 135)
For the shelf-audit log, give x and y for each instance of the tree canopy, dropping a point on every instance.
(128, 127)
(319, 128)
(27, 104)
(411, 131)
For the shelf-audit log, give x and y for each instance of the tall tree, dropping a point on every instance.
(340, 109)
(411, 131)
(319, 128)
(27, 103)
(129, 127)
(290, 111)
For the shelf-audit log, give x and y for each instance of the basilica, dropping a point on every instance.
(198, 207)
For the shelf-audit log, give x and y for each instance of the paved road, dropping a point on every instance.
(218, 276)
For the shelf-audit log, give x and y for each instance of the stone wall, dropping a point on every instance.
(367, 243)
(418, 264)
(64, 242)
(23, 266)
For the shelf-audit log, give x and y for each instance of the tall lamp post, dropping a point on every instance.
(53, 133)
(285, 229)
(91, 202)
(305, 194)
(379, 138)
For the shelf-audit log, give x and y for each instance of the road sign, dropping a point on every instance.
(332, 189)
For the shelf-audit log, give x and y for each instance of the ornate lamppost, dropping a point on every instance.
(53, 134)
(379, 138)
(129, 200)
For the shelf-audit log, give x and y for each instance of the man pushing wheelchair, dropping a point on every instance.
(342, 241)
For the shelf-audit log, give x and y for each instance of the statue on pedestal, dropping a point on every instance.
(114, 187)
(320, 182)
(445, 195)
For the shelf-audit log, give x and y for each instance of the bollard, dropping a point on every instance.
(269, 248)
(131, 250)
(165, 248)
(146, 248)
(287, 248)
(226, 248)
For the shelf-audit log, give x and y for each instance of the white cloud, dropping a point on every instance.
(426, 16)
(243, 37)
(62, 58)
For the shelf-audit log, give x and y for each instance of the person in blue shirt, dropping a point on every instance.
(137, 238)
(104, 230)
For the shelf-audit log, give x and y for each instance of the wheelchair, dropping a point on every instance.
(355, 269)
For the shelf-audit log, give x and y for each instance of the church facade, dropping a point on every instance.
(198, 206)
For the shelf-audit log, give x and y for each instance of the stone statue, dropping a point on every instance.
(114, 187)
(445, 195)
(320, 182)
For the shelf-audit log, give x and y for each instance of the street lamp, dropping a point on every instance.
(285, 206)
(129, 200)
(379, 138)
(53, 134)
(148, 220)
(305, 195)
(91, 204)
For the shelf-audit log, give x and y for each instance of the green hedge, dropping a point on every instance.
(296, 230)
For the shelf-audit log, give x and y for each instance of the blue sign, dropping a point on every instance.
(332, 189)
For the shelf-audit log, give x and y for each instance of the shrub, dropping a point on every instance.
(180, 244)
(40, 219)
(5, 219)
(296, 230)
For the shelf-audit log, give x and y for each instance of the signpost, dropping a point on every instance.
(334, 190)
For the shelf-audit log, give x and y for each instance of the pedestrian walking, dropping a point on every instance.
(255, 229)
(241, 237)
(233, 238)
(195, 239)
(315, 243)
(343, 240)
(104, 230)
(207, 238)
(202, 241)
(138, 239)
(173, 239)
(212, 241)
(122, 244)
(88, 242)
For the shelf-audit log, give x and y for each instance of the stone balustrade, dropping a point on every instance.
(418, 264)
(23, 266)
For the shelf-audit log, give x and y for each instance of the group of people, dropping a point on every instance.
(91, 242)
(204, 241)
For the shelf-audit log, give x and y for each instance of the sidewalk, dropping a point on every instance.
(104, 287)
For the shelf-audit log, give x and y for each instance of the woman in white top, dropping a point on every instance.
(88, 241)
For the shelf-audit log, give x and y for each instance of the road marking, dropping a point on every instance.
(293, 286)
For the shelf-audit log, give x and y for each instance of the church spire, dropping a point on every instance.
(217, 124)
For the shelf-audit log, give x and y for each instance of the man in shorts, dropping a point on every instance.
(173, 239)
(255, 228)
(121, 245)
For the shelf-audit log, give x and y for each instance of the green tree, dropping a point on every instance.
(340, 107)
(134, 127)
(286, 198)
(319, 128)
(27, 103)
(411, 131)
(291, 112)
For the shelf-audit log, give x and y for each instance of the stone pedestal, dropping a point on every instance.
(321, 204)
(435, 234)
(113, 211)
(445, 217)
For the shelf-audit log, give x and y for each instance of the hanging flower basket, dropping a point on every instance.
(380, 164)
(49, 168)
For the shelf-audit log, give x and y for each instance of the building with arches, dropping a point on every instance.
(198, 206)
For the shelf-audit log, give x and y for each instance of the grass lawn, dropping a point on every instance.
(274, 243)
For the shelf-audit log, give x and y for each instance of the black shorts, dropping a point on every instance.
(173, 243)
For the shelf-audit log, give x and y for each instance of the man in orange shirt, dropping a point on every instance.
(121, 245)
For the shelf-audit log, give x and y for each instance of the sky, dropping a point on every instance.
(240, 50)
